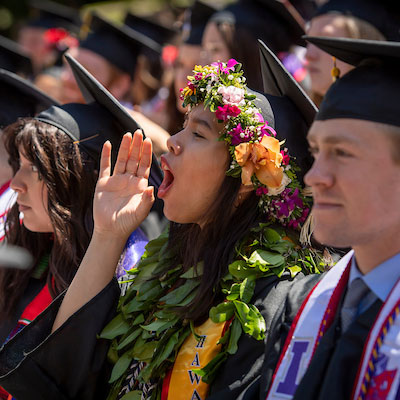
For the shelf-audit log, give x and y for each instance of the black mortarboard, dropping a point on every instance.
(286, 107)
(48, 14)
(20, 98)
(383, 16)
(370, 91)
(154, 30)
(102, 118)
(268, 19)
(119, 45)
(14, 58)
(195, 21)
(14, 257)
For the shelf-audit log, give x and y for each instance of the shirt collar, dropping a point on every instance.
(381, 279)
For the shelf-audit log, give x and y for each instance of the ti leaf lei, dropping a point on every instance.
(147, 327)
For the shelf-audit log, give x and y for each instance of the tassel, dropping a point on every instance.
(307, 230)
(335, 71)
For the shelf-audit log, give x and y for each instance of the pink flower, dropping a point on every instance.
(286, 158)
(232, 95)
(261, 191)
(230, 66)
(223, 112)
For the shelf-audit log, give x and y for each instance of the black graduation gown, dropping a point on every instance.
(71, 363)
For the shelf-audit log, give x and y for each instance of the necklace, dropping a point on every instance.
(148, 328)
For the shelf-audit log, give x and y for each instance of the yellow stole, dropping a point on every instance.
(184, 383)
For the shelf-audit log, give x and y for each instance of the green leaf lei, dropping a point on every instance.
(147, 327)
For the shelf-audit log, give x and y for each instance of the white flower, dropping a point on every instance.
(275, 191)
(232, 95)
(230, 77)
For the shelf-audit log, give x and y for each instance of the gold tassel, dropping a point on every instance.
(86, 139)
(85, 27)
(335, 72)
(307, 230)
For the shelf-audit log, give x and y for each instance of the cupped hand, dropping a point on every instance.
(124, 199)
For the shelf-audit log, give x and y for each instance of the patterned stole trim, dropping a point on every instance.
(32, 310)
(318, 310)
(7, 199)
(378, 376)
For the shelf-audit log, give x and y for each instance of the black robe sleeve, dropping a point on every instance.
(241, 376)
(68, 364)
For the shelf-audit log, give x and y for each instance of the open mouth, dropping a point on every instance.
(168, 179)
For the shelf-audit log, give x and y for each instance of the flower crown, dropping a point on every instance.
(255, 151)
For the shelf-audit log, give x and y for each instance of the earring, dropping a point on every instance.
(335, 72)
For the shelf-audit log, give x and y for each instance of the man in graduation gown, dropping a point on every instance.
(344, 342)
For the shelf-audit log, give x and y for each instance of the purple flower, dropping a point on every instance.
(267, 130)
(239, 135)
(230, 66)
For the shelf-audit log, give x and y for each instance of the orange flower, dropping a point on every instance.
(264, 159)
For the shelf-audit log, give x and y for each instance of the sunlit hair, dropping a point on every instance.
(70, 178)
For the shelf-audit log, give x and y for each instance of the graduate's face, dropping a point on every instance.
(355, 183)
(194, 168)
(318, 63)
(188, 57)
(31, 196)
(214, 45)
(117, 83)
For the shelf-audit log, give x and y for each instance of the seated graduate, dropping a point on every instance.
(195, 321)
(18, 98)
(345, 342)
(54, 157)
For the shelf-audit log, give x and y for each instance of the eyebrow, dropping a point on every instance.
(333, 139)
(202, 122)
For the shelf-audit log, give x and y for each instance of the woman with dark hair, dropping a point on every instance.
(234, 33)
(54, 180)
(194, 321)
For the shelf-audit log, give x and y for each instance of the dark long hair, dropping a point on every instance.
(70, 178)
(214, 244)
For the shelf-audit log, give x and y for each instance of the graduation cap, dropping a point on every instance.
(368, 92)
(20, 98)
(195, 21)
(102, 118)
(119, 45)
(54, 15)
(264, 17)
(154, 30)
(14, 58)
(385, 17)
(14, 257)
(286, 107)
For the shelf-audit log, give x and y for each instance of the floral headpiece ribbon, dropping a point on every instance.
(255, 151)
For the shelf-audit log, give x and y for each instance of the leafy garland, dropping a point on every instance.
(147, 327)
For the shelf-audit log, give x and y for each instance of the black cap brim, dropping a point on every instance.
(354, 51)
(279, 82)
(293, 23)
(14, 58)
(93, 91)
(27, 89)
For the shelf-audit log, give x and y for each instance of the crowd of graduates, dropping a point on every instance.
(201, 202)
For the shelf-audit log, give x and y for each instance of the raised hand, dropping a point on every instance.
(123, 200)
